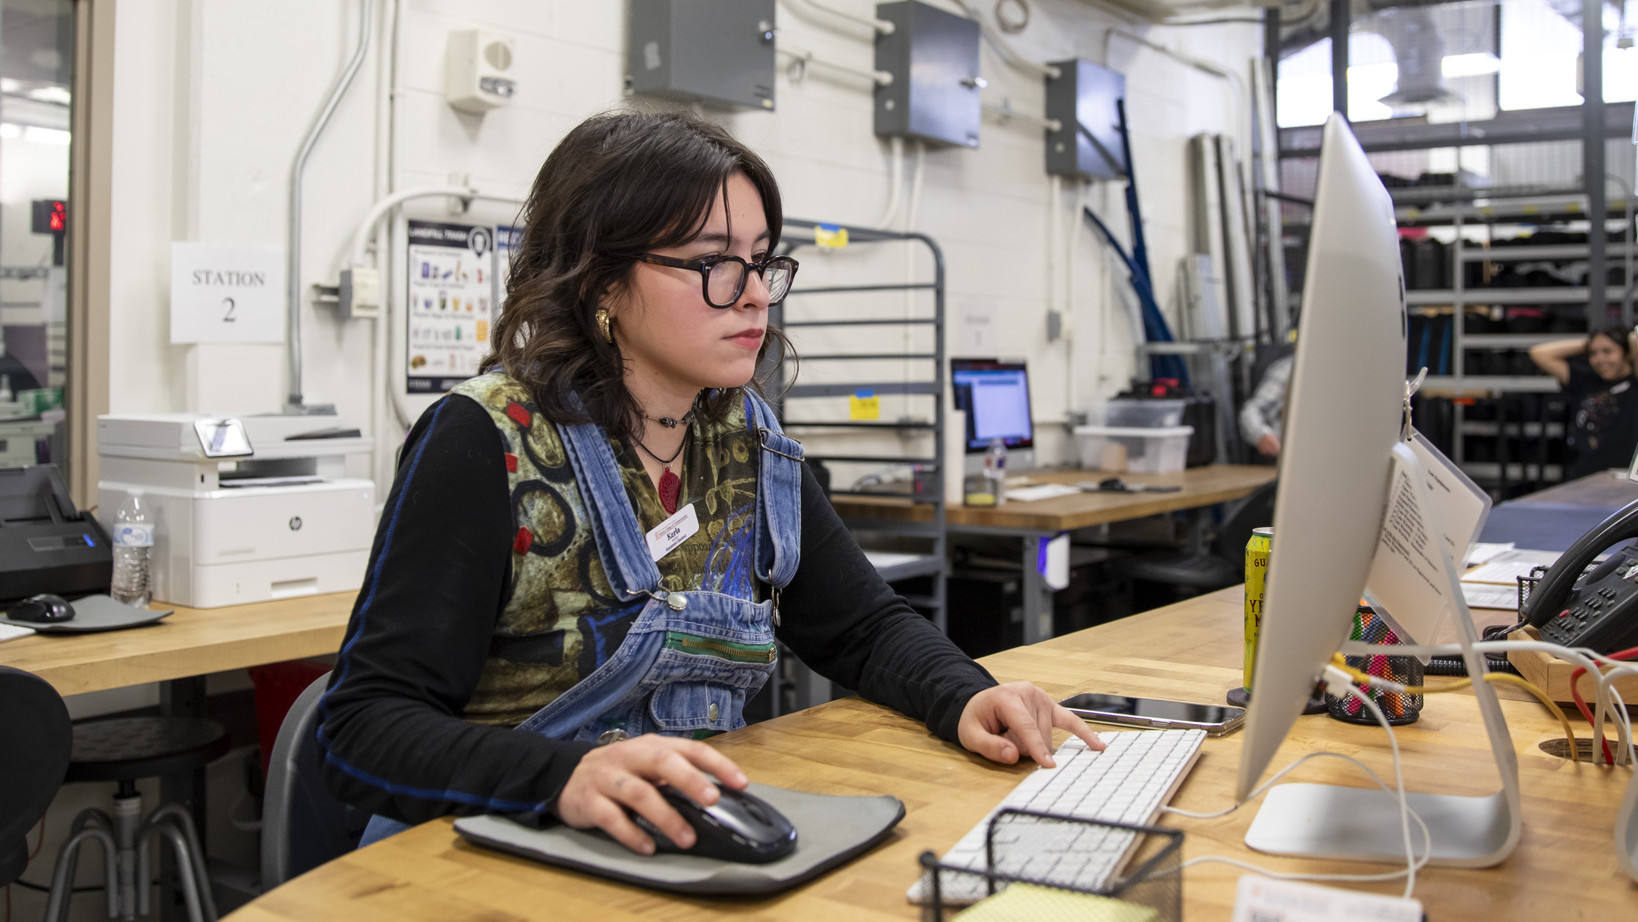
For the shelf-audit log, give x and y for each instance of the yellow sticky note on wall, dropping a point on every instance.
(864, 405)
(833, 236)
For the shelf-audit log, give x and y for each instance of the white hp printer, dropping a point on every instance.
(246, 508)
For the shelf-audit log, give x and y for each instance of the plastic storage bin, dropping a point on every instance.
(1155, 450)
(1144, 413)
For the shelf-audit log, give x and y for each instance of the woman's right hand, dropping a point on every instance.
(624, 774)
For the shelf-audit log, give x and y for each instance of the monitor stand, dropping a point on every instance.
(1626, 830)
(1364, 824)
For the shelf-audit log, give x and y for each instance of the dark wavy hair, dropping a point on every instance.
(624, 182)
(1616, 334)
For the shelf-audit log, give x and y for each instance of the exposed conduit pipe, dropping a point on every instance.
(895, 185)
(805, 59)
(386, 88)
(292, 262)
(1004, 49)
(880, 26)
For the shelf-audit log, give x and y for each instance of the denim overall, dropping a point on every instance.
(691, 659)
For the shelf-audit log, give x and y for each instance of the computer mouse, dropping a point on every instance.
(44, 608)
(739, 827)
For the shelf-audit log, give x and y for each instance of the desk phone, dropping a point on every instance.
(1598, 610)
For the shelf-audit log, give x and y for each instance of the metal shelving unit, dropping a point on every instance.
(1495, 394)
(905, 551)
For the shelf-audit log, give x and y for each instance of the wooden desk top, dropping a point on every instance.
(190, 642)
(1201, 486)
(1566, 858)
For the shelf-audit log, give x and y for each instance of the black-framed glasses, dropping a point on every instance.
(722, 277)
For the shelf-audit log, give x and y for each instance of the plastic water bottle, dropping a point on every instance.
(133, 550)
(995, 470)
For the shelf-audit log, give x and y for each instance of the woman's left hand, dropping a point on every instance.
(1007, 721)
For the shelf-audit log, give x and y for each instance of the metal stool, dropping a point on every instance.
(125, 750)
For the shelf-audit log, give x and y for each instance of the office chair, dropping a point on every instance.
(124, 750)
(1223, 563)
(303, 824)
(35, 737)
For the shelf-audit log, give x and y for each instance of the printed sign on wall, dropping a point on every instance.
(451, 303)
(225, 294)
(507, 241)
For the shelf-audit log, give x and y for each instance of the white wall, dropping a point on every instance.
(214, 98)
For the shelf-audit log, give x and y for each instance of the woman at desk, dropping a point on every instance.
(1596, 374)
(588, 552)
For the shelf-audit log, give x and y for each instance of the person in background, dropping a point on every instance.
(1596, 374)
(588, 552)
(1262, 412)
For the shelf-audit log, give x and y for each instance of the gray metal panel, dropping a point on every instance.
(933, 57)
(1085, 92)
(719, 52)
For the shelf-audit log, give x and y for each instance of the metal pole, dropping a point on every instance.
(1592, 158)
(1340, 17)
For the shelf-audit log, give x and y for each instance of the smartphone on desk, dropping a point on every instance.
(1156, 713)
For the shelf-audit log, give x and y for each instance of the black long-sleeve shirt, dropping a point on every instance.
(437, 581)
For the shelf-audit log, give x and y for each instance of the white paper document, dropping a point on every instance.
(1506, 568)
(1488, 595)
(1433, 513)
(1484, 553)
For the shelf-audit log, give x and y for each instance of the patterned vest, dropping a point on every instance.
(561, 619)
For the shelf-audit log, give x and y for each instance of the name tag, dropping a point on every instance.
(667, 535)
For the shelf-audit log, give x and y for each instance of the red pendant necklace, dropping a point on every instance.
(670, 486)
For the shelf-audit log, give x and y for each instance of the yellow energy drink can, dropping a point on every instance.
(1256, 574)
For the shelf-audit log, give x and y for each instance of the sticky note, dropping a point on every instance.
(833, 236)
(864, 405)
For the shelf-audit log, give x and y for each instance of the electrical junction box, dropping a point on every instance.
(478, 70)
(717, 52)
(1086, 94)
(933, 57)
(359, 295)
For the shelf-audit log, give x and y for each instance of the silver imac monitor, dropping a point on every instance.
(1342, 421)
(1342, 418)
(994, 393)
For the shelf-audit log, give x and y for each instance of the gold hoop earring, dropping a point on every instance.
(605, 324)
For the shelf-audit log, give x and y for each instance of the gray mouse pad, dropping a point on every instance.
(96, 613)
(830, 830)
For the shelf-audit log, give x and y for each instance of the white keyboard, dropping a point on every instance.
(10, 631)
(1126, 783)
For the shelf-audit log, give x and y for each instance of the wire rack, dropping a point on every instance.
(1528, 583)
(1025, 883)
(1398, 707)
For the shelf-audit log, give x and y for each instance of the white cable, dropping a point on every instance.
(1339, 682)
(895, 166)
(880, 26)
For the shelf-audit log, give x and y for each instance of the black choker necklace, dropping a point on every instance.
(670, 422)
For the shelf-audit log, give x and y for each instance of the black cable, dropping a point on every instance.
(1455, 666)
(1495, 662)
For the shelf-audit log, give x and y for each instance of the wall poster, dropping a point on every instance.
(451, 303)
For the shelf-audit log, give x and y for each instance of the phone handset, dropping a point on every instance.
(1598, 610)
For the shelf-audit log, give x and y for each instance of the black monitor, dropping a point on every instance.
(994, 394)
